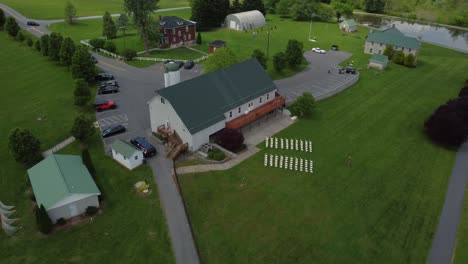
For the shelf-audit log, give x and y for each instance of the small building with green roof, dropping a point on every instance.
(64, 186)
(348, 25)
(127, 154)
(378, 61)
(377, 41)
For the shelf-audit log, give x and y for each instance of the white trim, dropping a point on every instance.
(71, 198)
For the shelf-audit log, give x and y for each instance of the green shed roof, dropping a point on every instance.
(393, 36)
(201, 102)
(124, 148)
(379, 58)
(59, 176)
(351, 22)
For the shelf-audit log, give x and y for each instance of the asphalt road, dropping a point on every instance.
(445, 238)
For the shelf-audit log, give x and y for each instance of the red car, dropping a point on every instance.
(104, 105)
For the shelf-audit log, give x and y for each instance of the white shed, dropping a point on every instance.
(127, 154)
(245, 20)
(349, 25)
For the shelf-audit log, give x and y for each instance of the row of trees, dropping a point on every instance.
(292, 57)
(399, 57)
(448, 125)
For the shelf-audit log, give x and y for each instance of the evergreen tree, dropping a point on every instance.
(82, 93)
(82, 64)
(82, 128)
(122, 23)
(261, 57)
(236, 7)
(55, 43)
(388, 51)
(374, 6)
(44, 224)
(270, 6)
(294, 53)
(399, 58)
(88, 162)
(109, 30)
(2, 19)
(11, 27)
(66, 51)
(249, 5)
(199, 39)
(20, 37)
(410, 61)
(29, 41)
(24, 146)
(37, 45)
(70, 13)
(209, 13)
(279, 61)
(141, 13)
(45, 45)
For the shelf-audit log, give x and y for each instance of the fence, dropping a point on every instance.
(339, 88)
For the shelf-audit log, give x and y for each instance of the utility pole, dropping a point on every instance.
(268, 43)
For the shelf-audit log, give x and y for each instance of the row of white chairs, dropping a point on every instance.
(286, 162)
(289, 144)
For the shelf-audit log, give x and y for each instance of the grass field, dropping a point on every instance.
(131, 229)
(383, 209)
(54, 9)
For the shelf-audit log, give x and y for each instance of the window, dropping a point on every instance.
(380, 51)
(372, 43)
(268, 96)
(402, 48)
(186, 28)
(180, 33)
(136, 157)
(174, 39)
(185, 38)
(165, 32)
(260, 101)
(189, 36)
(409, 50)
(370, 50)
(173, 31)
(380, 44)
(162, 101)
(230, 114)
(396, 47)
(239, 110)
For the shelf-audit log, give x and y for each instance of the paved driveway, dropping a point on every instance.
(315, 78)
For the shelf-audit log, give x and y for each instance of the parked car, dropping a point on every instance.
(94, 59)
(104, 77)
(32, 23)
(322, 51)
(180, 64)
(108, 89)
(350, 70)
(113, 130)
(145, 146)
(104, 105)
(189, 65)
(109, 83)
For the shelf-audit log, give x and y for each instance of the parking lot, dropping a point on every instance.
(319, 78)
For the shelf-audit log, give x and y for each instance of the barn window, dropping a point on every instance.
(380, 44)
(173, 39)
(230, 114)
(402, 48)
(370, 50)
(268, 96)
(173, 31)
(260, 101)
(162, 101)
(180, 33)
(136, 157)
(409, 50)
(380, 51)
(372, 43)
(189, 37)
(239, 110)
(186, 28)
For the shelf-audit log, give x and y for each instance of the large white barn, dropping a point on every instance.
(245, 20)
(231, 97)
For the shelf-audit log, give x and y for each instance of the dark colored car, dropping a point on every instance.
(108, 89)
(109, 83)
(350, 70)
(113, 130)
(180, 64)
(104, 77)
(94, 59)
(32, 23)
(189, 65)
(145, 146)
(104, 105)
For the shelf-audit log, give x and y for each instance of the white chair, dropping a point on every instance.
(266, 142)
(311, 166)
(271, 160)
(281, 162)
(276, 143)
(310, 146)
(282, 143)
(291, 163)
(306, 146)
(287, 145)
(276, 161)
(272, 141)
(297, 144)
(265, 160)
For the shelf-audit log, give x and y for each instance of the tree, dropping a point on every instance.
(388, 51)
(342, 8)
(231, 139)
(270, 6)
(97, 43)
(122, 23)
(463, 92)
(45, 45)
(249, 5)
(29, 41)
(66, 51)
(283, 8)
(37, 45)
(374, 6)
(82, 93)
(20, 37)
(82, 128)
(44, 224)
(209, 13)
(154, 35)
(261, 57)
(399, 58)
(220, 59)
(236, 7)
(55, 43)
(303, 105)
(410, 61)
(11, 27)
(199, 38)
(70, 13)
(82, 64)
(279, 61)
(142, 11)
(110, 46)
(88, 162)
(24, 146)
(294, 53)
(128, 54)
(109, 30)
(2, 19)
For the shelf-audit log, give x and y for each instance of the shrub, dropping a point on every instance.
(199, 39)
(20, 37)
(97, 43)
(261, 57)
(82, 128)
(29, 42)
(2, 19)
(216, 154)
(410, 61)
(88, 162)
(44, 224)
(24, 146)
(37, 45)
(294, 52)
(110, 46)
(45, 45)
(231, 139)
(91, 210)
(11, 27)
(128, 54)
(463, 92)
(83, 66)
(388, 51)
(61, 221)
(303, 105)
(279, 61)
(399, 58)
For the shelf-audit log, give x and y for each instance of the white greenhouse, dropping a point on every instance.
(245, 20)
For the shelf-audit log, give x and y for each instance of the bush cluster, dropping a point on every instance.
(230, 139)
(216, 154)
(128, 54)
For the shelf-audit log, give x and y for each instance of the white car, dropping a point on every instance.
(316, 50)
(322, 51)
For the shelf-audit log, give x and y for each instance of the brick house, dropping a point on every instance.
(177, 31)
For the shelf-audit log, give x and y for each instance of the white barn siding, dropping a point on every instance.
(79, 207)
(245, 107)
(203, 136)
(132, 162)
(161, 113)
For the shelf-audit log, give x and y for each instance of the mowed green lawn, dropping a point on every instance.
(383, 209)
(54, 9)
(131, 228)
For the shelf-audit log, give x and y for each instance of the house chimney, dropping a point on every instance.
(171, 74)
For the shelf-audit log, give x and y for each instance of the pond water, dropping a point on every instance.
(445, 36)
